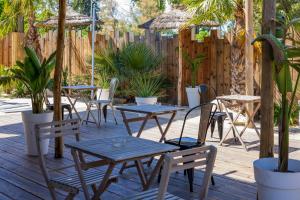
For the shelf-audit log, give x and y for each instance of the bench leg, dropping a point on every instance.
(190, 173)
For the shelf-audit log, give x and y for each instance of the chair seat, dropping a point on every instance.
(63, 105)
(152, 195)
(100, 101)
(90, 176)
(186, 142)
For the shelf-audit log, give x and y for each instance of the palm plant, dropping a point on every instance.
(284, 58)
(147, 85)
(35, 76)
(194, 65)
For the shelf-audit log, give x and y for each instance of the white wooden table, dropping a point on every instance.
(240, 102)
(79, 92)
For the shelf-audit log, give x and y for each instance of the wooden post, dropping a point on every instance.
(267, 84)
(70, 57)
(180, 66)
(249, 52)
(58, 72)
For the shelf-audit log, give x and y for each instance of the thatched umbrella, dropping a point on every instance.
(173, 19)
(73, 20)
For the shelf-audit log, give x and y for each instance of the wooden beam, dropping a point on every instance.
(180, 70)
(59, 146)
(267, 84)
(249, 59)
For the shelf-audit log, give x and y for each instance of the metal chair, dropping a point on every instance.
(182, 160)
(206, 113)
(64, 106)
(68, 183)
(102, 104)
(219, 116)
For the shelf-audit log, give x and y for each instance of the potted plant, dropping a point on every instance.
(147, 87)
(103, 81)
(278, 178)
(35, 76)
(192, 91)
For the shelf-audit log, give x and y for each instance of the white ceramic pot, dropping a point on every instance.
(272, 185)
(29, 121)
(145, 100)
(102, 94)
(193, 96)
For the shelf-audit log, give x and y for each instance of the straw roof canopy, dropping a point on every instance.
(173, 19)
(73, 19)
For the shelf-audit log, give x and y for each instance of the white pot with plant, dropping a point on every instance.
(35, 76)
(147, 88)
(104, 83)
(192, 91)
(278, 178)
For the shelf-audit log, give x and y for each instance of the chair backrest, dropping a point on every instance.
(207, 94)
(113, 87)
(207, 111)
(187, 159)
(54, 130)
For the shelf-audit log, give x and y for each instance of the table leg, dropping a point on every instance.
(233, 127)
(251, 119)
(126, 123)
(154, 172)
(141, 172)
(88, 110)
(163, 133)
(80, 173)
(104, 182)
(148, 116)
(73, 105)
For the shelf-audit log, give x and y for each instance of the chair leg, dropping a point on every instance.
(212, 180)
(99, 114)
(52, 192)
(70, 113)
(113, 112)
(190, 173)
(220, 127)
(212, 127)
(70, 196)
(105, 112)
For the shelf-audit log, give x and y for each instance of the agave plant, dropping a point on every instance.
(34, 74)
(147, 85)
(284, 58)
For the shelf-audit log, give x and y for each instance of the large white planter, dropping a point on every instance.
(29, 122)
(102, 94)
(272, 185)
(193, 96)
(145, 100)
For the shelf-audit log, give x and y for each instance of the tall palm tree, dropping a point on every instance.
(13, 9)
(223, 11)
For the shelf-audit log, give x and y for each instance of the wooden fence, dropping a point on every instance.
(214, 71)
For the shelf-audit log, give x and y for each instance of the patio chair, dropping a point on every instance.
(64, 106)
(69, 183)
(181, 160)
(219, 116)
(102, 104)
(207, 112)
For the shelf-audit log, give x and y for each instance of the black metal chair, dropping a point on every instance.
(205, 92)
(206, 113)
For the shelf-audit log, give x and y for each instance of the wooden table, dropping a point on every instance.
(149, 112)
(119, 150)
(79, 94)
(240, 102)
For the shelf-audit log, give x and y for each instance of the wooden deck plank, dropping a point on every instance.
(233, 168)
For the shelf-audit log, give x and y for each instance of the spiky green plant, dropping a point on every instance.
(147, 85)
(34, 74)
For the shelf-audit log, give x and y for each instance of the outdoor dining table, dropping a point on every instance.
(240, 102)
(122, 149)
(80, 93)
(148, 112)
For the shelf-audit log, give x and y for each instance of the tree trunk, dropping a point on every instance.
(238, 52)
(58, 73)
(32, 36)
(267, 84)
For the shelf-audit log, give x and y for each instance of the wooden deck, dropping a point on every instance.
(20, 177)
